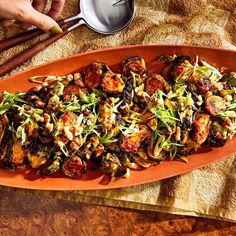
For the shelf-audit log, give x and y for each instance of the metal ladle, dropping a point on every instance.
(103, 16)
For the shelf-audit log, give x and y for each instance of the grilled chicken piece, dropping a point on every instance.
(155, 82)
(132, 143)
(93, 74)
(112, 83)
(134, 64)
(215, 105)
(201, 128)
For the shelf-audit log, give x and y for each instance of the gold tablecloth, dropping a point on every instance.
(209, 191)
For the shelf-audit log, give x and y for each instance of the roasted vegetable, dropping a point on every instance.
(217, 135)
(93, 74)
(110, 163)
(70, 92)
(134, 64)
(215, 105)
(52, 168)
(117, 120)
(3, 126)
(203, 85)
(189, 148)
(112, 83)
(201, 128)
(145, 163)
(113, 166)
(36, 160)
(133, 142)
(155, 82)
(175, 66)
(73, 167)
(230, 79)
(6, 149)
(18, 153)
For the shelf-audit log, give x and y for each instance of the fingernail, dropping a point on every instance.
(56, 29)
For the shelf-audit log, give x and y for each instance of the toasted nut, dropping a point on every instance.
(228, 98)
(177, 133)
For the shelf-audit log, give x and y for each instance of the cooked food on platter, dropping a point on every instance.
(117, 121)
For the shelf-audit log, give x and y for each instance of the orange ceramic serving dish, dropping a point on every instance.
(94, 179)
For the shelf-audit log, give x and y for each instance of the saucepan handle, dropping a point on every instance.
(29, 53)
(30, 34)
(22, 37)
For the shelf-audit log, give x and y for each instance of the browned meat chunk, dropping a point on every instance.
(130, 144)
(165, 72)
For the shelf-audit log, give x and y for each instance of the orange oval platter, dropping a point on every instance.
(94, 179)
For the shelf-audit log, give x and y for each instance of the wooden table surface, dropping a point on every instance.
(22, 214)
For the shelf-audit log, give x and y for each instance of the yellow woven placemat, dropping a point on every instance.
(209, 191)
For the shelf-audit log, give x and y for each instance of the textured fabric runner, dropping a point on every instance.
(209, 191)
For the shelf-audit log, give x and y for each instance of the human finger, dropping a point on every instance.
(6, 22)
(56, 8)
(38, 5)
(39, 19)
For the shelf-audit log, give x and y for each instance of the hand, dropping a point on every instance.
(29, 12)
